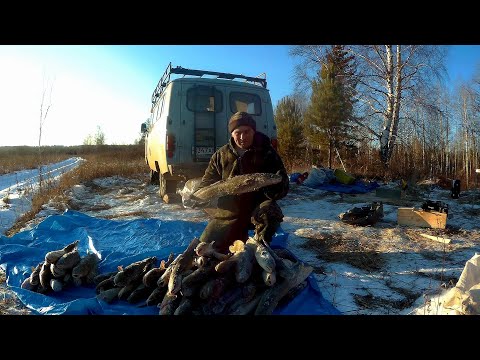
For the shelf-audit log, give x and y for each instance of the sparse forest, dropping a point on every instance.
(382, 111)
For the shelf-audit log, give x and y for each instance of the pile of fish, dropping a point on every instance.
(125, 284)
(61, 268)
(251, 279)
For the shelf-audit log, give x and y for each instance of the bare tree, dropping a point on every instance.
(99, 138)
(44, 108)
(45, 105)
(387, 77)
(96, 139)
(469, 124)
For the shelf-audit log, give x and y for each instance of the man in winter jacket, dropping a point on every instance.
(248, 151)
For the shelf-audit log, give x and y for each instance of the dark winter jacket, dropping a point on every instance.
(226, 162)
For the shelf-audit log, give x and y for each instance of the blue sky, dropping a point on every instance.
(110, 86)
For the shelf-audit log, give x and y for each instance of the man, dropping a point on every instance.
(248, 151)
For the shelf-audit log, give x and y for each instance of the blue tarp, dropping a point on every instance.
(118, 242)
(358, 187)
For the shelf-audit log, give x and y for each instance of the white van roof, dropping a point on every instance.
(200, 76)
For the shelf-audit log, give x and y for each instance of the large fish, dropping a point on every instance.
(281, 264)
(45, 275)
(208, 250)
(151, 277)
(185, 261)
(274, 294)
(244, 307)
(156, 296)
(99, 278)
(169, 304)
(244, 266)
(56, 285)
(68, 260)
(85, 266)
(125, 292)
(35, 275)
(53, 256)
(175, 280)
(27, 285)
(269, 278)
(105, 284)
(134, 271)
(263, 256)
(109, 295)
(57, 272)
(219, 306)
(141, 292)
(185, 306)
(236, 185)
(193, 281)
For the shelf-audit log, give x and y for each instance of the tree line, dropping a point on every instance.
(383, 111)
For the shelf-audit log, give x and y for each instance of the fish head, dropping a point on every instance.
(76, 272)
(200, 261)
(202, 248)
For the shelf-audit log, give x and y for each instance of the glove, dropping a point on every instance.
(277, 191)
(189, 201)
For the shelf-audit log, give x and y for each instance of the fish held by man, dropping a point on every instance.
(236, 185)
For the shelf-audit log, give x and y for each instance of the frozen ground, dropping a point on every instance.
(385, 269)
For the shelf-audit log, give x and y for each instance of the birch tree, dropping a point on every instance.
(469, 128)
(387, 76)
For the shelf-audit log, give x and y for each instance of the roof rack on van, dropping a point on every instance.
(165, 79)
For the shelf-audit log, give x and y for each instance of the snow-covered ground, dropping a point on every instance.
(17, 189)
(385, 269)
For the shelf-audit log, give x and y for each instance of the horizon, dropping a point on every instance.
(110, 86)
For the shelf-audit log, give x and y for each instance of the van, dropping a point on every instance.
(189, 120)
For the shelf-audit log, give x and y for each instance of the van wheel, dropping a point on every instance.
(166, 186)
(154, 177)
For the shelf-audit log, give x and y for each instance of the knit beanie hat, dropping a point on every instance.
(241, 118)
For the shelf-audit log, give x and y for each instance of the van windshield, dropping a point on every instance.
(250, 103)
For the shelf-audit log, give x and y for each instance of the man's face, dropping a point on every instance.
(243, 136)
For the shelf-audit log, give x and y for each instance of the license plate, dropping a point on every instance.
(204, 150)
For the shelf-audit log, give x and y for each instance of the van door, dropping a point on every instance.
(248, 100)
(206, 104)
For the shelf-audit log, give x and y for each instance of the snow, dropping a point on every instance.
(17, 189)
(385, 269)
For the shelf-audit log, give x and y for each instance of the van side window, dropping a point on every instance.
(204, 99)
(249, 103)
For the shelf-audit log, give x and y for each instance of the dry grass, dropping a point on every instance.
(371, 302)
(101, 161)
(9, 303)
(127, 214)
(334, 247)
(15, 158)
(448, 280)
